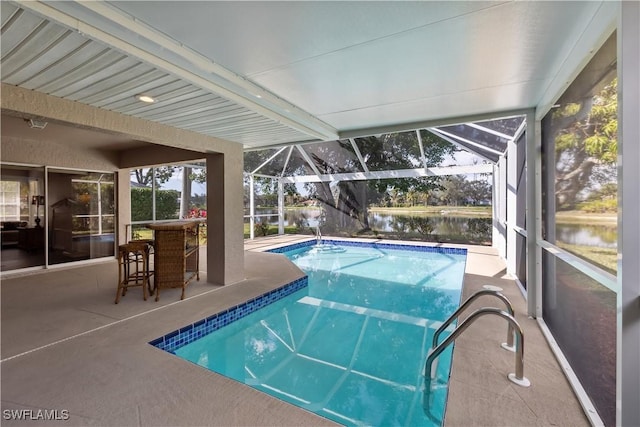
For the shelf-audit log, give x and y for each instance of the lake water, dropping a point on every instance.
(477, 228)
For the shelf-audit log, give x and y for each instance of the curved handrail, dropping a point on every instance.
(454, 316)
(518, 377)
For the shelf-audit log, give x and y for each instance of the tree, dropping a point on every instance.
(453, 191)
(585, 136)
(392, 151)
(162, 175)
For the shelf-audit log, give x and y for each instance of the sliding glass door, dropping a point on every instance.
(81, 215)
(22, 217)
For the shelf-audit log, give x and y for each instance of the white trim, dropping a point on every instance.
(425, 124)
(606, 279)
(491, 131)
(286, 162)
(583, 397)
(359, 155)
(460, 146)
(466, 141)
(268, 160)
(421, 145)
(309, 161)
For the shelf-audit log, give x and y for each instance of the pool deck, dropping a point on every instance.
(67, 347)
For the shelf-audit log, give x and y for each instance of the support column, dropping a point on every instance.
(628, 349)
(280, 206)
(534, 216)
(511, 197)
(252, 208)
(499, 208)
(225, 242)
(123, 192)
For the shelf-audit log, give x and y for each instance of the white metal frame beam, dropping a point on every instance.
(392, 174)
(268, 160)
(466, 141)
(359, 154)
(309, 161)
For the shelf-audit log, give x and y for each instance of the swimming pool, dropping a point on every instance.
(350, 345)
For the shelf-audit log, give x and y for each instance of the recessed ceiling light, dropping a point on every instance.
(145, 98)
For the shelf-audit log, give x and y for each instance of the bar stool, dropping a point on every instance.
(133, 268)
(152, 243)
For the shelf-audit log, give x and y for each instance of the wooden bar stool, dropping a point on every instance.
(152, 243)
(133, 268)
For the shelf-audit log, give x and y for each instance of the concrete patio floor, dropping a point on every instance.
(67, 346)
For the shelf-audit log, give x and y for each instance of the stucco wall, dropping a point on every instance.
(35, 152)
(224, 162)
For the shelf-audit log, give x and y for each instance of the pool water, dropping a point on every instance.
(352, 345)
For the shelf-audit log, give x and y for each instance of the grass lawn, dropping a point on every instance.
(573, 217)
(605, 258)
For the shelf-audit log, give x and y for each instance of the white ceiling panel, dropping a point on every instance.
(282, 33)
(269, 73)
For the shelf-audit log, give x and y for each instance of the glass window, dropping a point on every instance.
(167, 192)
(22, 217)
(580, 150)
(81, 215)
(141, 194)
(581, 314)
(579, 203)
(10, 200)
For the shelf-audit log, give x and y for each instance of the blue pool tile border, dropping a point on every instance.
(189, 333)
(403, 246)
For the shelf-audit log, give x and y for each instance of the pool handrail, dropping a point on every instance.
(510, 333)
(517, 378)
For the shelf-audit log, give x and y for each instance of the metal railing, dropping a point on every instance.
(517, 378)
(510, 335)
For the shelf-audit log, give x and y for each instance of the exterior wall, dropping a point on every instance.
(42, 153)
(225, 246)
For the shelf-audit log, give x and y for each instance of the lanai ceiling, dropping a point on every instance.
(273, 73)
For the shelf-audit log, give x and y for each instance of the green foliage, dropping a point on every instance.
(162, 175)
(599, 206)
(586, 140)
(261, 228)
(167, 205)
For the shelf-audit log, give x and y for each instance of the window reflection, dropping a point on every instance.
(580, 146)
(81, 215)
